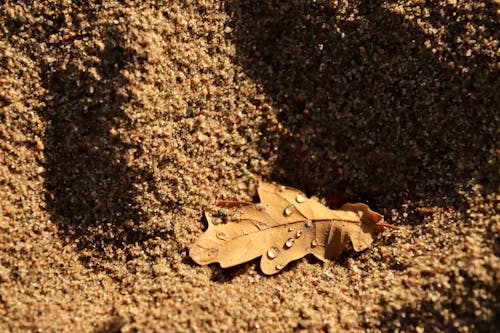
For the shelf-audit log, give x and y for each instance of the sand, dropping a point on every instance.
(121, 122)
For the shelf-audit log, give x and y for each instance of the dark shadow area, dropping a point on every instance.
(372, 104)
(92, 185)
(224, 275)
(369, 103)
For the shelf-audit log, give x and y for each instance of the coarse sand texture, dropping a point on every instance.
(122, 122)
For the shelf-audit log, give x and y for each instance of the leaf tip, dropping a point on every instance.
(202, 255)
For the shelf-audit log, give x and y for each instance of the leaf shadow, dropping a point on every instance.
(223, 275)
(365, 106)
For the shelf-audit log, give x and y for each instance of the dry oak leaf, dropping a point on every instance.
(284, 226)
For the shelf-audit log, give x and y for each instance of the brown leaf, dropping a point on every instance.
(284, 226)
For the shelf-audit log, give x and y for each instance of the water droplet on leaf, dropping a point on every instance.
(308, 224)
(300, 198)
(288, 210)
(314, 243)
(261, 225)
(279, 267)
(298, 234)
(273, 252)
(290, 229)
(289, 243)
(222, 236)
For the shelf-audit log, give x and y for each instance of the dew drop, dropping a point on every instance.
(245, 232)
(289, 243)
(298, 234)
(288, 210)
(261, 225)
(314, 243)
(290, 229)
(273, 252)
(222, 236)
(281, 188)
(308, 224)
(300, 198)
(279, 267)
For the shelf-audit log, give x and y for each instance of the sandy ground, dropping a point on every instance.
(120, 123)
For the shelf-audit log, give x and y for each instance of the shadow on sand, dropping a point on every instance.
(91, 186)
(366, 106)
(371, 104)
